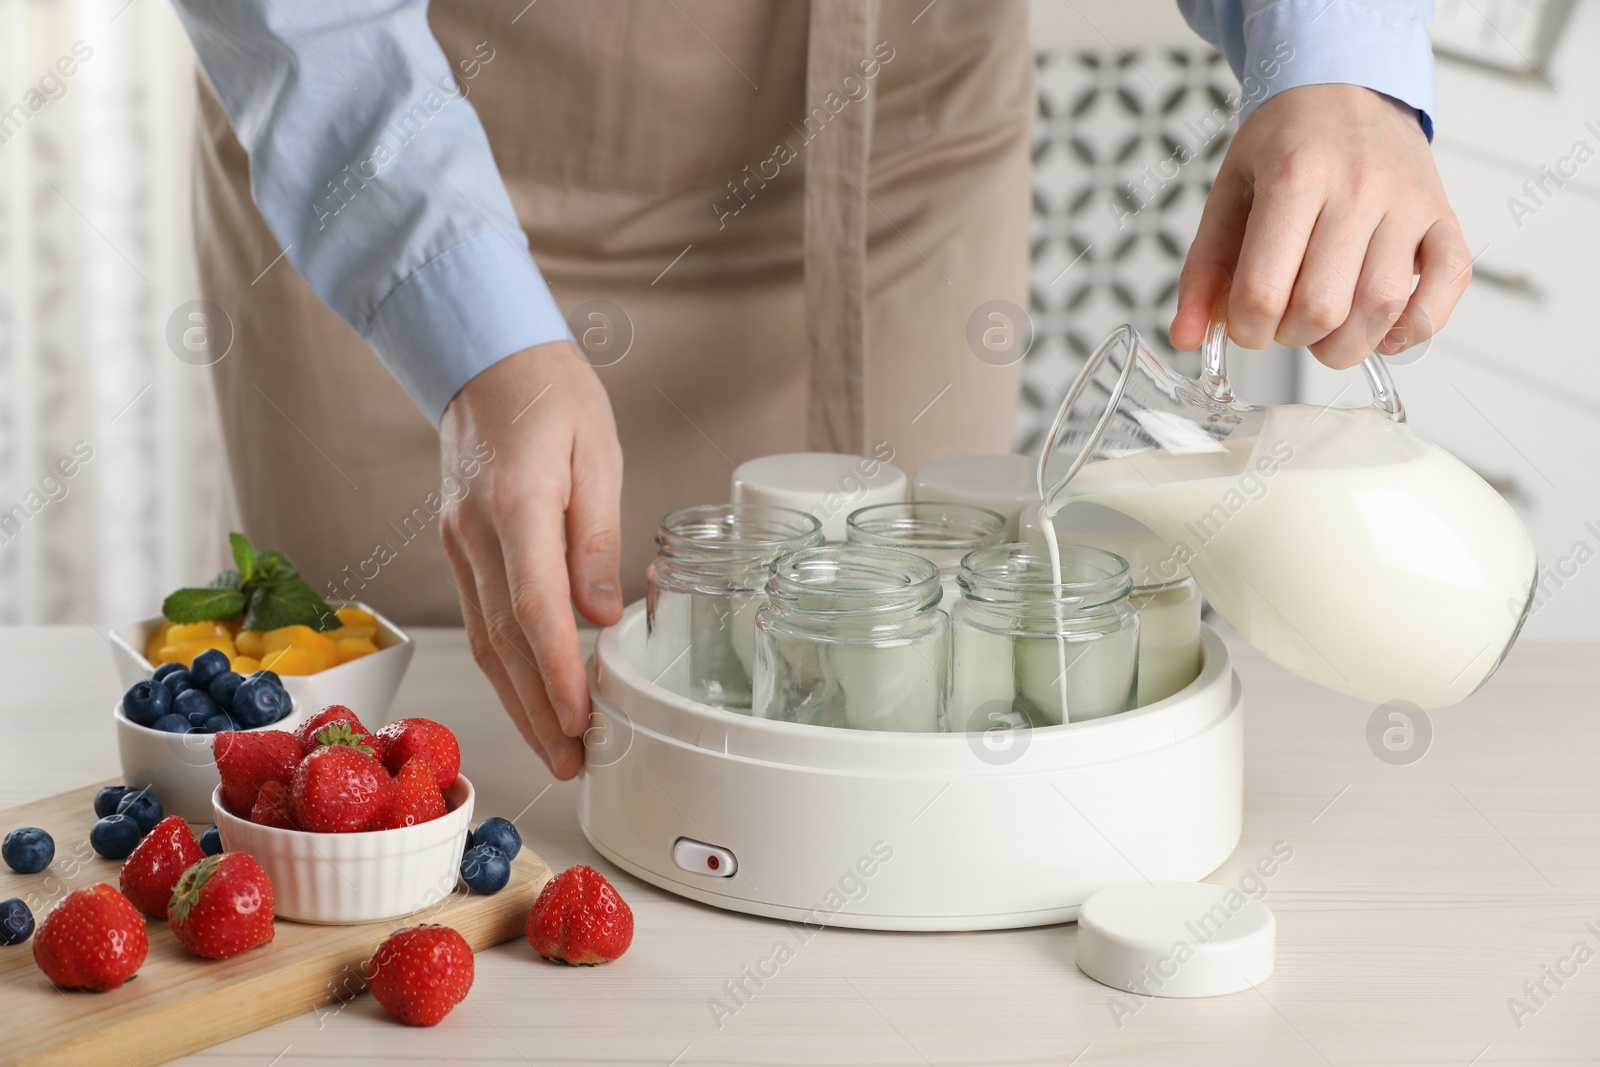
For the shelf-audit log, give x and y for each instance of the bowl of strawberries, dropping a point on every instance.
(351, 826)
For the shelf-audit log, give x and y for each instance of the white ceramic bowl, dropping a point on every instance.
(366, 686)
(179, 768)
(356, 878)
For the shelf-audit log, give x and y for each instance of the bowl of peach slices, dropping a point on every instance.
(263, 616)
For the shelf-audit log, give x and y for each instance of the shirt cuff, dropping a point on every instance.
(1320, 42)
(460, 313)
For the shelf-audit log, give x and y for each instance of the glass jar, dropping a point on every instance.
(1034, 649)
(703, 588)
(1165, 597)
(853, 636)
(941, 533)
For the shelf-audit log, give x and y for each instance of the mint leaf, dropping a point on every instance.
(243, 555)
(272, 564)
(287, 602)
(202, 605)
(228, 579)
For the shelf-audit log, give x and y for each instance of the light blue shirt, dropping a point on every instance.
(375, 175)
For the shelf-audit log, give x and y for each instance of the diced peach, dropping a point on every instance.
(355, 647)
(293, 661)
(158, 641)
(251, 643)
(369, 633)
(196, 631)
(356, 617)
(245, 664)
(184, 652)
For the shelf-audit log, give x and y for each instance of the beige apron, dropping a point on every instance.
(798, 245)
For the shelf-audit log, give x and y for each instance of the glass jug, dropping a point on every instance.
(1337, 541)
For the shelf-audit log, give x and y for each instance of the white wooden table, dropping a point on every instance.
(1418, 901)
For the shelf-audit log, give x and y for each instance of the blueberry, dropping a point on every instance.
(16, 922)
(211, 841)
(171, 724)
(165, 669)
(485, 869)
(28, 850)
(178, 681)
(222, 688)
(142, 807)
(259, 702)
(114, 836)
(271, 676)
(499, 833)
(145, 702)
(195, 705)
(206, 666)
(105, 801)
(218, 723)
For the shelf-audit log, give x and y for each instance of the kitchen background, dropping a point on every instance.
(100, 352)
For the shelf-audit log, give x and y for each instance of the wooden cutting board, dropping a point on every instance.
(179, 1003)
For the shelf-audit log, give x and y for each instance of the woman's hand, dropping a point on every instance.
(1325, 206)
(538, 532)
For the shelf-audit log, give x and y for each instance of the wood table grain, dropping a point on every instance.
(1444, 911)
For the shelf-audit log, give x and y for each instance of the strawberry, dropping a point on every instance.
(405, 738)
(222, 906)
(309, 730)
(93, 939)
(247, 759)
(579, 918)
(153, 868)
(272, 807)
(416, 798)
(420, 973)
(339, 787)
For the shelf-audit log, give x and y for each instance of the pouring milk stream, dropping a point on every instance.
(1337, 541)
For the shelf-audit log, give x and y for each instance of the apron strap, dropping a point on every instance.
(842, 33)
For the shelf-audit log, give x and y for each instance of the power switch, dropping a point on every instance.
(697, 857)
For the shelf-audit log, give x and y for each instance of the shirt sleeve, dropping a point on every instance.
(1273, 45)
(375, 175)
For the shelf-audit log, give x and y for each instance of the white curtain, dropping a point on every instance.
(112, 486)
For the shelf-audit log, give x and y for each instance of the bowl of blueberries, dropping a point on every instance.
(168, 723)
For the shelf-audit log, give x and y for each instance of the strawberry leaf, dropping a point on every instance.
(341, 734)
(186, 894)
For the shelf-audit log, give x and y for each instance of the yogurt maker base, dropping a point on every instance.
(890, 831)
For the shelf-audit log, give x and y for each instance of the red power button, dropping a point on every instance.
(697, 857)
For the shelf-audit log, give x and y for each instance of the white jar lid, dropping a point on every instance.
(1176, 939)
(829, 485)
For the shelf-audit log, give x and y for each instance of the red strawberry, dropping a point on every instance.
(340, 787)
(420, 973)
(309, 730)
(152, 869)
(416, 798)
(93, 939)
(405, 738)
(580, 918)
(247, 759)
(222, 906)
(273, 807)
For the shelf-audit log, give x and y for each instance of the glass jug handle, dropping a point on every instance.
(1214, 367)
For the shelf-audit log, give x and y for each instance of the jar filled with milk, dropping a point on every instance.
(703, 588)
(941, 533)
(852, 636)
(1164, 597)
(1040, 640)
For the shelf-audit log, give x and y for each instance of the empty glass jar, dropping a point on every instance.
(853, 636)
(941, 533)
(704, 586)
(1032, 650)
